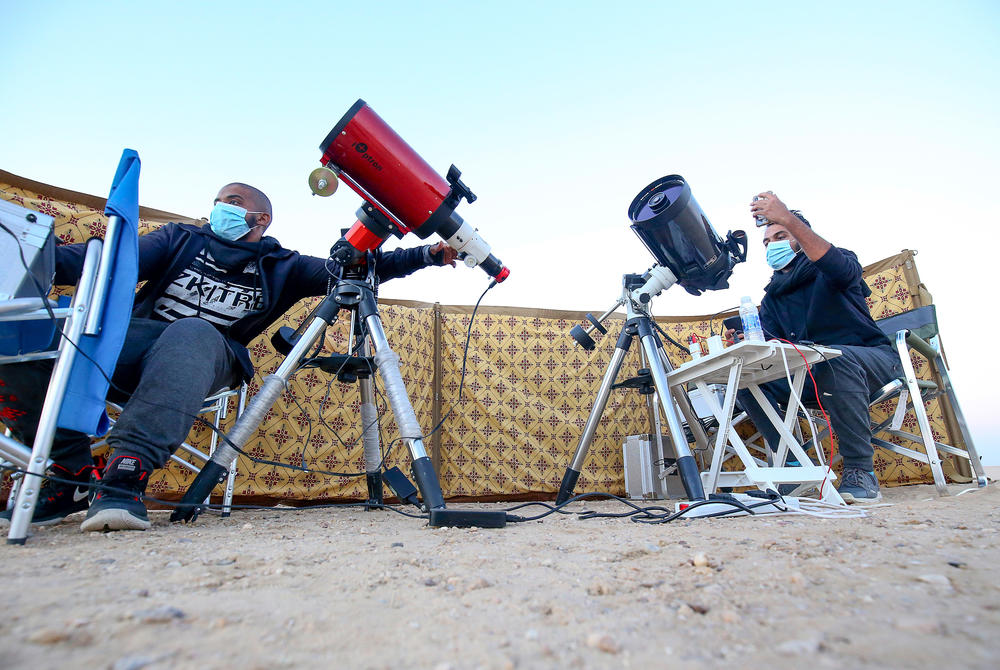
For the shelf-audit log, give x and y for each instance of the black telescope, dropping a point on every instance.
(675, 230)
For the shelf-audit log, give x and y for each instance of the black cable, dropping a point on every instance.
(34, 280)
(667, 337)
(711, 319)
(652, 514)
(98, 486)
(465, 355)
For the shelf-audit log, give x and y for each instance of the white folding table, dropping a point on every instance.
(748, 365)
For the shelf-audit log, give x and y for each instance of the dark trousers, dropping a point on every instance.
(845, 385)
(163, 375)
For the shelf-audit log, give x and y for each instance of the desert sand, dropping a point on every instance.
(912, 585)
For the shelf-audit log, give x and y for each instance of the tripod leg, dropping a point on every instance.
(686, 465)
(573, 471)
(216, 469)
(684, 403)
(369, 424)
(409, 428)
(656, 437)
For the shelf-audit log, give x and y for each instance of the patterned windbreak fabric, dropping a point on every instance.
(527, 394)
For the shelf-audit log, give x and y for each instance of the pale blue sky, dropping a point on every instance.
(877, 119)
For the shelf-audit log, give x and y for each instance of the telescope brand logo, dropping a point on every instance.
(362, 149)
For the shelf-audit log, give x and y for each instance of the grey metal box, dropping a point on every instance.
(29, 234)
(642, 471)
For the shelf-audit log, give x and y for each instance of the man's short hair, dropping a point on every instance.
(263, 202)
(799, 216)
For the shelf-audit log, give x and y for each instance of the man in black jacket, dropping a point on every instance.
(209, 291)
(817, 295)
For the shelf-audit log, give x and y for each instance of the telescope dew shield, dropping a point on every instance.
(669, 221)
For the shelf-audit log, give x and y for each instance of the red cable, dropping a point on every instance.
(829, 466)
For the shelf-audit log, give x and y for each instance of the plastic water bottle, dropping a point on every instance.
(752, 332)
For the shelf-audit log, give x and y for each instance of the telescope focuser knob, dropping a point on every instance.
(470, 261)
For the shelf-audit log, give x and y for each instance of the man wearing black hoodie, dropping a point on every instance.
(209, 291)
(817, 294)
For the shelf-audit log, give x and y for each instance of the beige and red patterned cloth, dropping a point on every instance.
(528, 390)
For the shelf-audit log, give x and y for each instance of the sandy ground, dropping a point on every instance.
(912, 585)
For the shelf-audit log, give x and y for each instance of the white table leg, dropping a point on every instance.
(791, 417)
(724, 416)
(783, 431)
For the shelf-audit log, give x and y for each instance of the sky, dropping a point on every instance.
(876, 119)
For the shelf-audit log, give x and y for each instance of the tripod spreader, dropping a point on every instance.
(348, 368)
(642, 382)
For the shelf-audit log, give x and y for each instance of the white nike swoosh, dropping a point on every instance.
(77, 496)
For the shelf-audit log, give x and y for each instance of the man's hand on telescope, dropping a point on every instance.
(442, 254)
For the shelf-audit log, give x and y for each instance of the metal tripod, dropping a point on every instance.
(358, 297)
(639, 323)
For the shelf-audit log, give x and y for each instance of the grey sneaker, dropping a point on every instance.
(859, 485)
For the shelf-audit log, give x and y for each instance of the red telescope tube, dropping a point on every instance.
(402, 192)
(384, 167)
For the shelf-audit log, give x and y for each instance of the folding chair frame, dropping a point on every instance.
(913, 394)
(76, 324)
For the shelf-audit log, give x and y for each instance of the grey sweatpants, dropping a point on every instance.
(163, 374)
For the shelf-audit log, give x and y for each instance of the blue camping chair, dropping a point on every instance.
(92, 334)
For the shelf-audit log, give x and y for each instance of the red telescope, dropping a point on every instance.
(402, 192)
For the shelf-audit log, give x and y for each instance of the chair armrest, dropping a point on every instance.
(921, 345)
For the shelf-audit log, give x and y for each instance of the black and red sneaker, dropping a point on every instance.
(117, 503)
(58, 499)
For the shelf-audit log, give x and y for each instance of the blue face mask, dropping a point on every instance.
(229, 221)
(780, 254)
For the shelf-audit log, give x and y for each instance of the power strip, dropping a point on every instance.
(791, 503)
